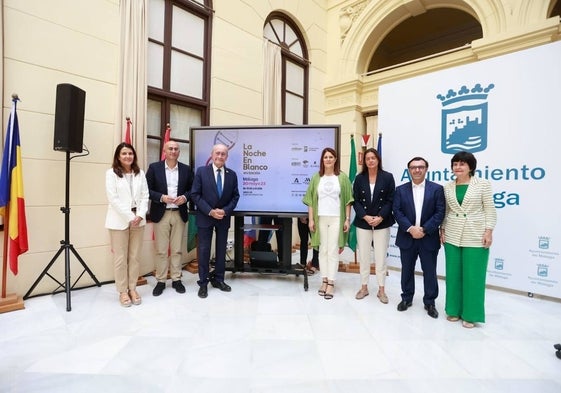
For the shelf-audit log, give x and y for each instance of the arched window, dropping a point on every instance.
(282, 31)
(179, 36)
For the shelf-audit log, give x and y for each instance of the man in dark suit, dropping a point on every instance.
(169, 183)
(215, 193)
(419, 207)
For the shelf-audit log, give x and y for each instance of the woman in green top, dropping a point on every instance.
(329, 198)
(467, 234)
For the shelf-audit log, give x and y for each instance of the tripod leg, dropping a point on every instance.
(67, 276)
(44, 272)
(84, 265)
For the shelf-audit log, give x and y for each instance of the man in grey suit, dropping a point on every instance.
(419, 207)
(215, 193)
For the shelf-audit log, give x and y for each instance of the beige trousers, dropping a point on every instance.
(169, 234)
(126, 245)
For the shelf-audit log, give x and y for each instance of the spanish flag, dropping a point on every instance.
(12, 202)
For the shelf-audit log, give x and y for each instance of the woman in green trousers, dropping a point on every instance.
(467, 234)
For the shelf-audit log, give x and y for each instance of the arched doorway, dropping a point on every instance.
(435, 31)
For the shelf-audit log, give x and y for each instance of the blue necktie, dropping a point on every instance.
(219, 183)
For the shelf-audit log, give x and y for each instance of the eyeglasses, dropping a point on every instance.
(417, 168)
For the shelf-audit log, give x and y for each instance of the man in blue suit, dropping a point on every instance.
(419, 207)
(169, 182)
(215, 193)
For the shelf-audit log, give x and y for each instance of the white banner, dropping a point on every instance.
(506, 111)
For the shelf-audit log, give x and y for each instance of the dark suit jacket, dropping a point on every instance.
(432, 214)
(205, 195)
(157, 185)
(379, 204)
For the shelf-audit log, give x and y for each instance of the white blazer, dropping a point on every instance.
(118, 190)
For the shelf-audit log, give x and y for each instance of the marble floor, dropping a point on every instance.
(269, 335)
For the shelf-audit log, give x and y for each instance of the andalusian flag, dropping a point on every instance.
(12, 203)
(352, 174)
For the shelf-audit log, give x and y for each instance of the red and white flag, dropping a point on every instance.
(365, 139)
(128, 132)
(166, 140)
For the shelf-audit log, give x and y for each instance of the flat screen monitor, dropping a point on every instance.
(274, 164)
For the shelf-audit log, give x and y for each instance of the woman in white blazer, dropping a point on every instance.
(467, 234)
(127, 193)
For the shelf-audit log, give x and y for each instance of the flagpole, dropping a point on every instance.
(10, 302)
(354, 251)
(128, 139)
(5, 255)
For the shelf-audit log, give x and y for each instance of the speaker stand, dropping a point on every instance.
(67, 248)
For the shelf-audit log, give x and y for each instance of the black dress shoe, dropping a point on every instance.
(178, 286)
(203, 291)
(221, 285)
(403, 305)
(431, 310)
(159, 288)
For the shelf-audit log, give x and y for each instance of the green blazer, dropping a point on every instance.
(346, 198)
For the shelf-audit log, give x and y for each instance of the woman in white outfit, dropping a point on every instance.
(127, 193)
(329, 198)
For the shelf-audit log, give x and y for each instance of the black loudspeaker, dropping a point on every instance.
(69, 118)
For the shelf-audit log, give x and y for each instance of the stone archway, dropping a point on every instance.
(364, 27)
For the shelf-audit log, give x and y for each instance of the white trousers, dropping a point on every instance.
(329, 228)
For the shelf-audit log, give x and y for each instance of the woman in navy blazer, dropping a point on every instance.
(373, 191)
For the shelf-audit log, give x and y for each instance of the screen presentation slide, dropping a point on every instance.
(274, 164)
